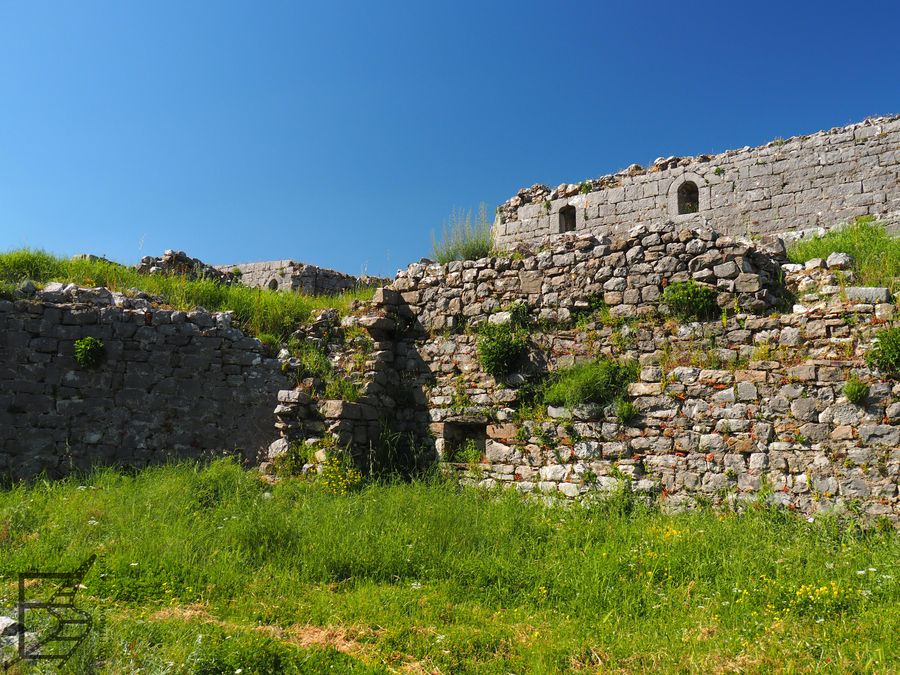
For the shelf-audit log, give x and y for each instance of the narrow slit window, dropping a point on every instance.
(688, 198)
(567, 219)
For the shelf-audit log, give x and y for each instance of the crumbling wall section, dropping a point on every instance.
(628, 272)
(288, 275)
(746, 406)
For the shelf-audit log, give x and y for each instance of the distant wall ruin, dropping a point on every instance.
(288, 275)
(787, 186)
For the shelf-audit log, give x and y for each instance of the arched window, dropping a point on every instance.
(567, 219)
(273, 284)
(688, 198)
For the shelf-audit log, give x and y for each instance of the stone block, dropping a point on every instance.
(868, 294)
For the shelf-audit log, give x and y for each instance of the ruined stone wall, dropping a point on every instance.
(388, 425)
(288, 275)
(171, 384)
(628, 272)
(753, 408)
(743, 407)
(792, 186)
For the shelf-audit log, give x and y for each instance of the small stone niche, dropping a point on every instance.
(457, 435)
(688, 198)
(567, 219)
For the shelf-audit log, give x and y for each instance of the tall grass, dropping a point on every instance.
(454, 580)
(876, 254)
(599, 382)
(461, 240)
(256, 310)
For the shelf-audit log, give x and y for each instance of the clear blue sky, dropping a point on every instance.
(342, 133)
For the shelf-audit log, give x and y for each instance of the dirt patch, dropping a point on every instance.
(345, 640)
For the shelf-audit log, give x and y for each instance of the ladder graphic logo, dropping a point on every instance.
(61, 626)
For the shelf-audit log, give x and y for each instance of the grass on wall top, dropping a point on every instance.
(876, 254)
(461, 240)
(256, 310)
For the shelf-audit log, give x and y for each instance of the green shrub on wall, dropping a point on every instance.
(688, 300)
(600, 382)
(856, 390)
(89, 352)
(626, 411)
(885, 353)
(500, 347)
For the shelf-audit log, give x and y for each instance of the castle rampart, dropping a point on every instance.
(791, 186)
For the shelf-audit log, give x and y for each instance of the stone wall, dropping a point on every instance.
(627, 272)
(744, 407)
(787, 186)
(388, 425)
(759, 414)
(172, 384)
(288, 275)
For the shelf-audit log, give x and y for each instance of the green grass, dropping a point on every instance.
(258, 311)
(445, 579)
(876, 254)
(600, 382)
(461, 240)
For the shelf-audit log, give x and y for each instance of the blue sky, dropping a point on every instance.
(343, 133)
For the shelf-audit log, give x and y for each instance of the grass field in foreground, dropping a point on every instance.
(256, 310)
(210, 570)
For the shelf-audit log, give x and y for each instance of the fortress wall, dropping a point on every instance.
(792, 186)
(172, 384)
(287, 275)
(740, 408)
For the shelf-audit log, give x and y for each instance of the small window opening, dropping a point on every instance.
(463, 439)
(688, 198)
(567, 219)
(273, 284)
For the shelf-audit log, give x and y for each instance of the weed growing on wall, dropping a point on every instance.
(271, 344)
(856, 390)
(626, 412)
(500, 347)
(461, 240)
(885, 352)
(690, 301)
(292, 460)
(468, 453)
(600, 382)
(315, 363)
(89, 352)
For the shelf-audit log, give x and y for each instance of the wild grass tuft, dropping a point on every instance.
(213, 566)
(876, 254)
(461, 240)
(256, 310)
(601, 382)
